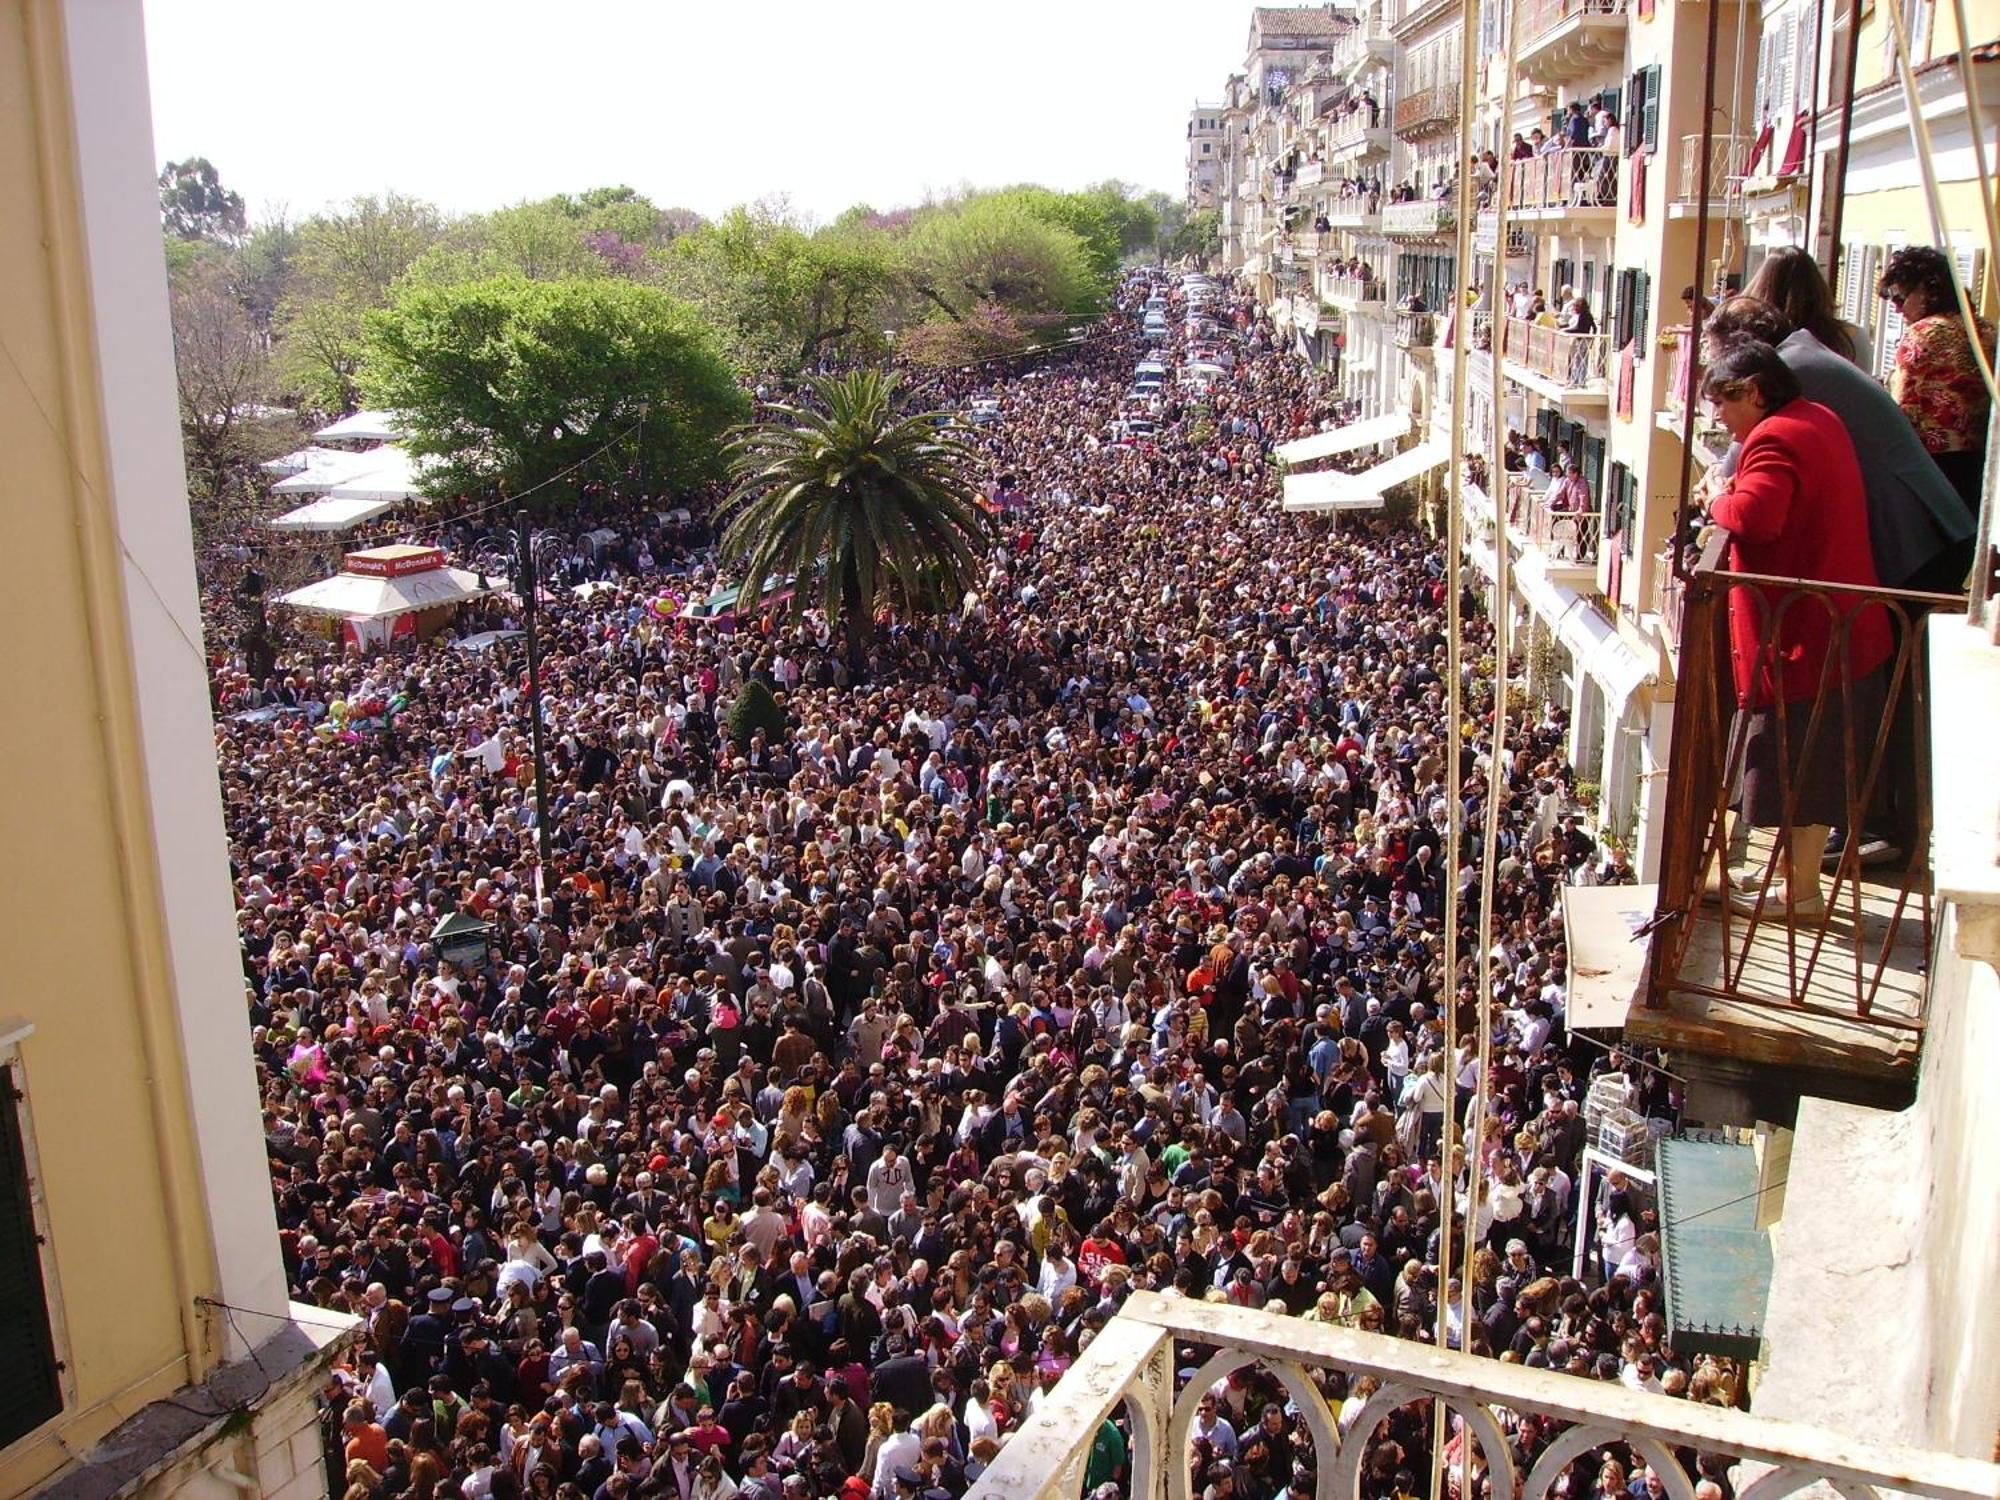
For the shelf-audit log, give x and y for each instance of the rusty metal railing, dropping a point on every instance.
(1849, 733)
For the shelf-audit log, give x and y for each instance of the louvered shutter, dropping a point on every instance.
(1651, 73)
(1593, 466)
(1783, 86)
(1642, 305)
(1850, 286)
(30, 1390)
(1971, 267)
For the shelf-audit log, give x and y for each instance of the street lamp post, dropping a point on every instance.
(530, 584)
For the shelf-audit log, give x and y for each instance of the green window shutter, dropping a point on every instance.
(1642, 304)
(30, 1386)
(1651, 73)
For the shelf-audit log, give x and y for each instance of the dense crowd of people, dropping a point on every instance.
(804, 1120)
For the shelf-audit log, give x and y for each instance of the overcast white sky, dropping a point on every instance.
(475, 105)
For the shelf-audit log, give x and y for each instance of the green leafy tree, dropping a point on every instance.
(516, 385)
(194, 205)
(864, 506)
(782, 295)
(755, 711)
(1200, 236)
(997, 251)
(344, 265)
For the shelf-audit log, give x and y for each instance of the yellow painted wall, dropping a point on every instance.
(1938, 39)
(65, 916)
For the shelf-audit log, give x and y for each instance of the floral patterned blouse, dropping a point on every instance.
(1937, 382)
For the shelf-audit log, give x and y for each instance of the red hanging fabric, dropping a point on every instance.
(1795, 149)
(1628, 377)
(1757, 149)
(1636, 207)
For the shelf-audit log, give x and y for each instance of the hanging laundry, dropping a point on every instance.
(1636, 209)
(1628, 377)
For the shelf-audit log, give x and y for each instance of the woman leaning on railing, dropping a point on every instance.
(1807, 663)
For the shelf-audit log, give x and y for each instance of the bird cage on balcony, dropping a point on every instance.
(1613, 1126)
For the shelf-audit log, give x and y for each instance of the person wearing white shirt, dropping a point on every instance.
(900, 1450)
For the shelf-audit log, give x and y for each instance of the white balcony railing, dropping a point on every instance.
(1578, 177)
(1427, 216)
(1131, 1368)
(1727, 158)
(1352, 291)
(1575, 361)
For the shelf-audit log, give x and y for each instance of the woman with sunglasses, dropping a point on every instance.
(1937, 379)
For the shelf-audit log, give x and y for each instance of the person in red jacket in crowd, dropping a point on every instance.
(1795, 508)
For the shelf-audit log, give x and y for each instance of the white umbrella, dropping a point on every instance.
(301, 459)
(355, 597)
(390, 474)
(324, 476)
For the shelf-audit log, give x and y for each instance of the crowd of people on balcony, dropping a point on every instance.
(805, 1121)
(1834, 480)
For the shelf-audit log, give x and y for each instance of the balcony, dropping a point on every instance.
(1569, 367)
(1427, 218)
(1357, 136)
(1563, 40)
(1133, 1370)
(1427, 112)
(1567, 539)
(1311, 174)
(1305, 242)
(1357, 212)
(1416, 330)
(1360, 45)
(1826, 977)
(1727, 155)
(1486, 231)
(1353, 293)
(1578, 185)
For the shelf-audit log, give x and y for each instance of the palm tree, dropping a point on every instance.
(875, 505)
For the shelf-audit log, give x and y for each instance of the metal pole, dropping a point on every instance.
(1833, 186)
(530, 587)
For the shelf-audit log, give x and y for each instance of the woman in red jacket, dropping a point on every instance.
(1795, 508)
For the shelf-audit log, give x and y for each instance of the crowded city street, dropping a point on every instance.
(805, 1118)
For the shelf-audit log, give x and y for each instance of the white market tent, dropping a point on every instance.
(391, 474)
(365, 426)
(353, 596)
(1346, 439)
(325, 475)
(330, 514)
(302, 459)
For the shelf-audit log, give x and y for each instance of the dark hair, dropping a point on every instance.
(1752, 362)
(1920, 268)
(1790, 281)
(1746, 317)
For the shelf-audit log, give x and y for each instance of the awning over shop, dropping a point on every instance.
(1327, 490)
(1346, 439)
(329, 514)
(1607, 958)
(1593, 642)
(1365, 489)
(1715, 1263)
(365, 426)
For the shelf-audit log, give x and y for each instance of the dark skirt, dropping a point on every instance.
(1818, 772)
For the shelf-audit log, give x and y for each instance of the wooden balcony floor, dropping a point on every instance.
(1809, 1020)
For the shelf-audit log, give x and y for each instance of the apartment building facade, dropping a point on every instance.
(1624, 203)
(149, 1345)
(1204, 156)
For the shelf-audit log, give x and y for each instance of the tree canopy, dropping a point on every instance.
(865, 507)
(194, 205)
(515, 385)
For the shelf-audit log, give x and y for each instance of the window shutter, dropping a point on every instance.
(1891, 324)
(1970, 264)
(1593, 466)
(1642, 308)
(1783, 84)
(1850, 286)
(1652, 131)
(30, 1391)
